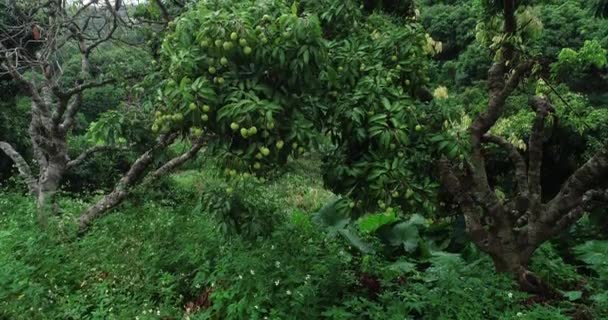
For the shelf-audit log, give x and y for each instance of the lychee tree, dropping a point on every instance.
(379, 153)
(264, 80)
(242, 74)
(510, 227)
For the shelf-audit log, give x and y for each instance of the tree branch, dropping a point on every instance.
(70, 112)
(572, 191)
(542, 108)
(21, 164)
(88, 153)
(82, 87)
(516, 158)
(135, 173)
(177, 161)
(31, 86)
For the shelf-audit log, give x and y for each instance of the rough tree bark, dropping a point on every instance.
(510, 231)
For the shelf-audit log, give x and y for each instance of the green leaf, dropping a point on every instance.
(573, 295)
(294, 8)
(354, 240)
(330, 217)
(370, 223)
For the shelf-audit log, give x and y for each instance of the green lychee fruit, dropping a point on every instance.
(234, 126)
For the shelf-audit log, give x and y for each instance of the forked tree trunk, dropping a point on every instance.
(510, 231)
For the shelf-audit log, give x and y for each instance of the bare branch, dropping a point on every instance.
(177, 161)
(70, 113)
(31, 86)
(122, 188)
(89, 152)
(84, 86)
(21, 164)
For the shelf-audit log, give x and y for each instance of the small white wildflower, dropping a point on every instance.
(519, 314)
(136, 318)
(240, 277)
(256, 307)
(144, 312)
(288, 292)
(252, 272)
(272, 247)
(307, 277)
(277, 264)
(510, 295)
(276, 283)
(150, 311)
(158, 312)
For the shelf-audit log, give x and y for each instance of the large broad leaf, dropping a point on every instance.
(403, 233)
(372, 222)
(354, 240)
(336, 222)
(330, 217)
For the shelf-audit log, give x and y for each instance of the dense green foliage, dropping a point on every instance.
(317, 194)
